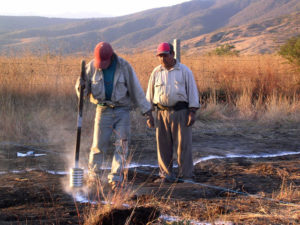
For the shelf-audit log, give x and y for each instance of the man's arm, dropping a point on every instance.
(85, 82)
(192, 91)
(149, 97)
(193, 97)
(150, 90)
(135, 91)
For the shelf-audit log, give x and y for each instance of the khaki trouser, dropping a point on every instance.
(110, 121)
(172, 132)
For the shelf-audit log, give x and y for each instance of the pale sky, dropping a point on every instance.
(80, 9)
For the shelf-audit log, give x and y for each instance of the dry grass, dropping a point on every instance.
(117, 200)
(38, 90)
(38, 104)
(260, 208)
(113, 200)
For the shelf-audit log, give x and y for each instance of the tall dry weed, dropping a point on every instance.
(230, 87)
(282, 108)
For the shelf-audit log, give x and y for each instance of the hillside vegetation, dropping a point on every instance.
(258, 37)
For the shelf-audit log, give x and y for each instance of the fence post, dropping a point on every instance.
(176, 44)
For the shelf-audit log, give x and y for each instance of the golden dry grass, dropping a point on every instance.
(37, 101)
(41, 88)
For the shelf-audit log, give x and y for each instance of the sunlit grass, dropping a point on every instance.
(39, 90)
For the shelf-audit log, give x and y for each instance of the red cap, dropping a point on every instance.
(102, 53)
(163, 48)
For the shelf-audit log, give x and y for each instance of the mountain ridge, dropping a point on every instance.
(187, 21)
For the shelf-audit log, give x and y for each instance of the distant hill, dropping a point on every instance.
(16, 23)
(261, 37)
(200, 24)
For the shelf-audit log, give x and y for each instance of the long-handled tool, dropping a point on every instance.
(76, 173)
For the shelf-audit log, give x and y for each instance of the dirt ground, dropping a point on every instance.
(37, 197)
(251, 187)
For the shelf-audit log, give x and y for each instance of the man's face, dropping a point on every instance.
(166, 60)
(104, 66)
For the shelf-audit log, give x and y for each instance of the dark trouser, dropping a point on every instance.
(172, 132)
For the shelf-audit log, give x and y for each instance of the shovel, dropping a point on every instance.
(76, 177)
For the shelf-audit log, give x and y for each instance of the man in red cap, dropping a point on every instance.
(112, 85)
(172, 90)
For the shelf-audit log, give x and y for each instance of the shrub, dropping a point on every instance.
(291, 50)
(226, 49)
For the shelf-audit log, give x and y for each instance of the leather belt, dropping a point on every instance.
(178, 106)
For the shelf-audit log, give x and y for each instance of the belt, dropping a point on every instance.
(178, 106)
(106, 105)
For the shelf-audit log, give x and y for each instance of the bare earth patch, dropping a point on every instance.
(241, 183)
(264, 191)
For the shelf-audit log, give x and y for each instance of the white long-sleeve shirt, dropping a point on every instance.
(126, 86)
(167, 87)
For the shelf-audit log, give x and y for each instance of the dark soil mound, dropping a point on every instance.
(136, 216)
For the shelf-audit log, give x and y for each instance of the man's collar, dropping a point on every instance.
(175, 67)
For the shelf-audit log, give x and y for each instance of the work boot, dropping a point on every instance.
(95, 174)
(116, 185)
(168, 180)
(186, 179)
(91, 177)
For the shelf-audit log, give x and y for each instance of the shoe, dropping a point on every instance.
(165, 180)
(159, 180)
(115, 185)
(186, 180)
(179, 180)
(91, 178)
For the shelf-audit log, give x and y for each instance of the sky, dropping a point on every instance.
(80, 9)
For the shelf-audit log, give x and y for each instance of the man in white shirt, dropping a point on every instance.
(172, 90)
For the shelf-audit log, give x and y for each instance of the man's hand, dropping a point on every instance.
(191, 118)
(150, 119)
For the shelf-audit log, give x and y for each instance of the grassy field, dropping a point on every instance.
(246, 101)
(37, 92)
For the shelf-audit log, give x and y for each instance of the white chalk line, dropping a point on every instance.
(202, 159)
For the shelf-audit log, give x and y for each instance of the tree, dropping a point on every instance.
(226, 49)
(291, 50)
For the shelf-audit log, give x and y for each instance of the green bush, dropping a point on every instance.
(291, 50)
(225, 49)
